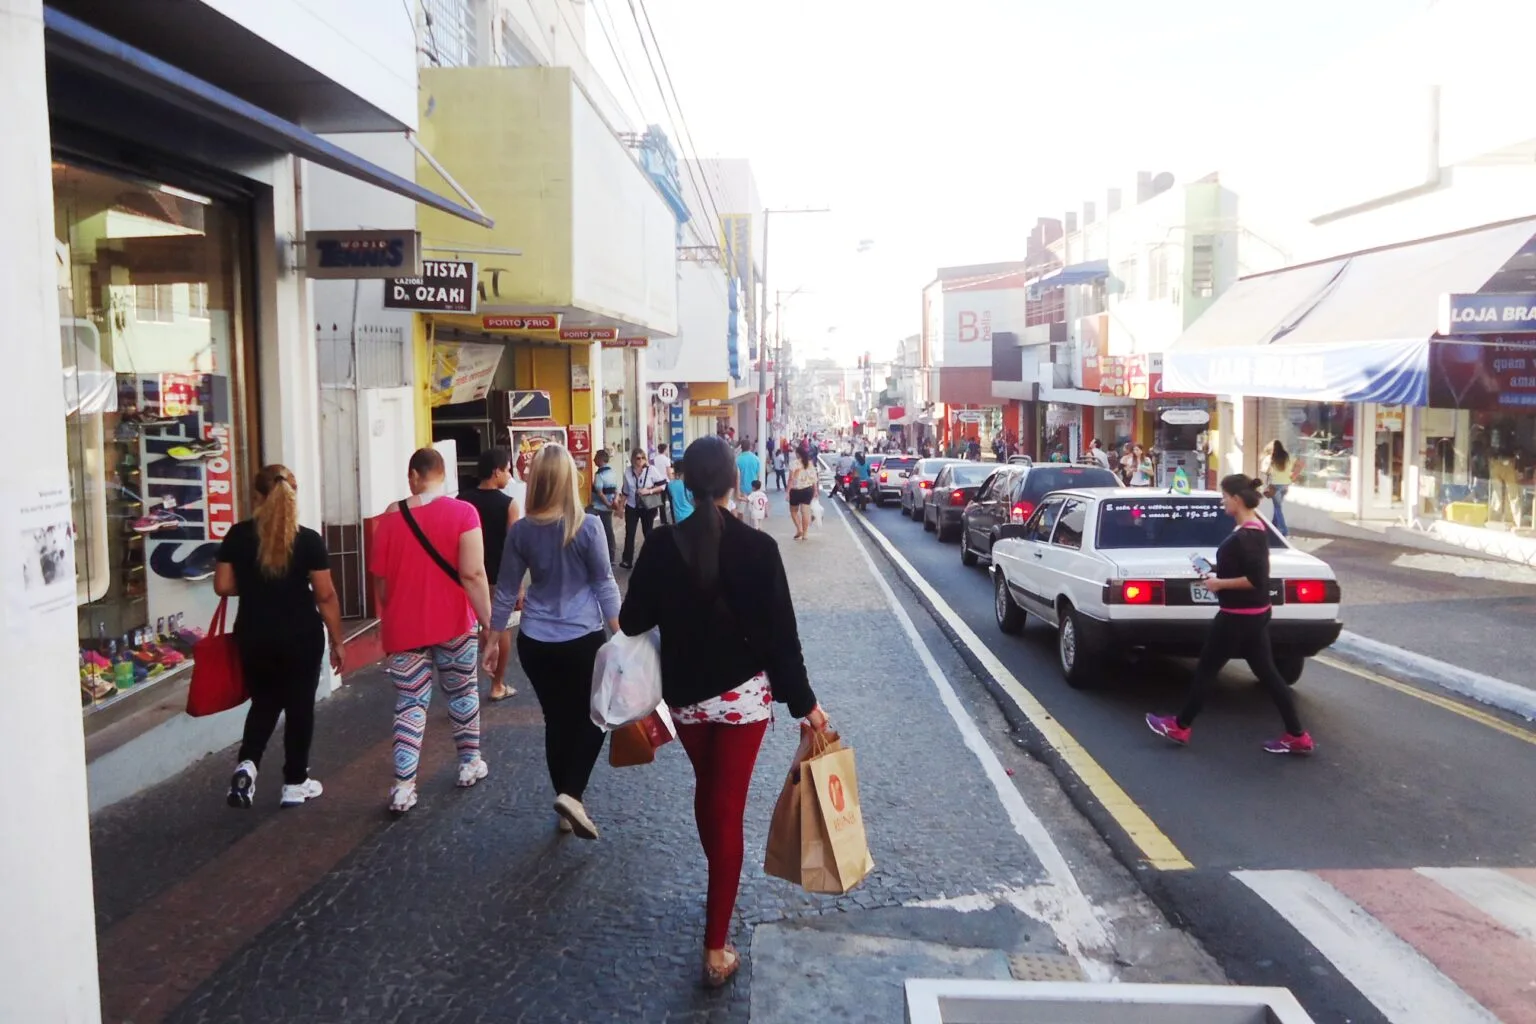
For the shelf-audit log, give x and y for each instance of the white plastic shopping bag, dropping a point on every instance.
(626, 681)
(816, 511)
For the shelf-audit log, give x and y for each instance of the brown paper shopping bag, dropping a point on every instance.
(834, 848)
(782, 859)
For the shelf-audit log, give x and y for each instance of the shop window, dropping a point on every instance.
(150, 331)
(1320, 438)
(1479, 468)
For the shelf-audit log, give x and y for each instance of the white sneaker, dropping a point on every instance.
(563, 825)
(471, 772)
(242, 785)
(307, 790)
(569, 808)
(403, 797)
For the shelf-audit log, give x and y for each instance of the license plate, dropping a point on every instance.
(1200, 595)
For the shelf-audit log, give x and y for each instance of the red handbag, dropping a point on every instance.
(218, 684)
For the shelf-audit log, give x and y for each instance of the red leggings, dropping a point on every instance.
(722, 756)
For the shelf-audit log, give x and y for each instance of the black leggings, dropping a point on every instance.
(1246, 637)
(281, 675)
(561, 674)
(645, 518)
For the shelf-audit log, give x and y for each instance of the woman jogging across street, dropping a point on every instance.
(429, 575)
(716, 588)
(803, 482)
(1240, 582)
(1279, 473)
(570, 598)
(282, 575)
(643, 490)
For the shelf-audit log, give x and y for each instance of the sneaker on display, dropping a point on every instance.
(305, 791)
(191, 451)
(242, 785)
(201, 564)
(1168, 727)
(157, 519)
(1288, 744)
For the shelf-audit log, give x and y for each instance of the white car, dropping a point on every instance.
(919, 481)
(1113, 570)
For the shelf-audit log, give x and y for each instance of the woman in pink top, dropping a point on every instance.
(428, 566)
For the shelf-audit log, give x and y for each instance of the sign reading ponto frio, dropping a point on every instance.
(1488, 313)
(445, 286)
(353, 255)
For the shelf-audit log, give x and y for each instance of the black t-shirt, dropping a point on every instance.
(284, 606)
(1245, 552)
(492, 506)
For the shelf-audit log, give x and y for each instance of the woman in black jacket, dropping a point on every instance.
(1240, 581)
(729, 649)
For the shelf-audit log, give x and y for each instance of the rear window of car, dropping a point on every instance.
(1163, 522)
(931, 467)
(970, 474)
(1042, 480)
(899, 463)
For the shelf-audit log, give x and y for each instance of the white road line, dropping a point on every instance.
(1069, 913)
(1403, 985)
(1502, 897)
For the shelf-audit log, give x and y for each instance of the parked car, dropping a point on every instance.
(1010, 496)
(919, 481)
(952, 490)
(1112, 571)
(892, 475)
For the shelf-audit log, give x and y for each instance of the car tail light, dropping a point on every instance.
(1021, 512)
(1141, 592)
(957, 498)
(925, 484)
(1306, 592)
(884, 476)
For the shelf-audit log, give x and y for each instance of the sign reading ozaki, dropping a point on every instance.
(445, 286)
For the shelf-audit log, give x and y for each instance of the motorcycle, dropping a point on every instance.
(857, 492)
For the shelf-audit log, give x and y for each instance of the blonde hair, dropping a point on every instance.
(554, 491)
(277, 519)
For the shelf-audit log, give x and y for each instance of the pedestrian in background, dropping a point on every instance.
(281, 573)
(803, 484)
(643, 488)
(677, 494)
(605, 498)
(780, 468)
(757, 505)
(717, 591)
(1279, 473)
(571, 595)
(429, 576)
(748, 468)
(661, 465)
(497, 512)
(1240, 581)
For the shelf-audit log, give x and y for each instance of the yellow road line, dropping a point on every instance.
(1455, 707)
(1156, 848)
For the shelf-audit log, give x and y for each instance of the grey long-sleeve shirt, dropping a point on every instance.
(572, 591)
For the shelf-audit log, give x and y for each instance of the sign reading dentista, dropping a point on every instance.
(534, 322)
(445, 286)
(1490, 313)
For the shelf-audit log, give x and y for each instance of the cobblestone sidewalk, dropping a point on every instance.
(473, 908)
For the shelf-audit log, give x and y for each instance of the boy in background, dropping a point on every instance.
(757, 503)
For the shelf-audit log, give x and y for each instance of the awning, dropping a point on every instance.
(1352, 329)
(1077, 273)
(72, 41)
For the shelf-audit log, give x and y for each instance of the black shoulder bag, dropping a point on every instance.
(426, 545)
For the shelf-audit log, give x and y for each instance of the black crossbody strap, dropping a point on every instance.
(426, 545)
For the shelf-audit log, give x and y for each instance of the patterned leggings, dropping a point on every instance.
(411, 672)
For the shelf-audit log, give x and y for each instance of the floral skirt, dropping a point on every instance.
(752, 701)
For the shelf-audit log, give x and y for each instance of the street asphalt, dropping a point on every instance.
(1397, 783)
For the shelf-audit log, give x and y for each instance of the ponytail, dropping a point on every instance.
(277, 519)
(709, 473)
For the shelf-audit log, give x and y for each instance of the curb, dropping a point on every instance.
(1427, 671)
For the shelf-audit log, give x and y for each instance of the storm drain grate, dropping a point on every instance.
(1025, 967)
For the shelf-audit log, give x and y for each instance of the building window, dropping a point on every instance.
(152, 304)
(197, 303)
(448, 35)
(1125, 274)
(1157, 273)
(514, 52)
(1049, 308)
(1202, 266)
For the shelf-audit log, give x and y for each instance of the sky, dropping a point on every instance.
(938, 133)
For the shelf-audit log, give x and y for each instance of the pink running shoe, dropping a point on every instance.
(1288, 744)
(1168, 727)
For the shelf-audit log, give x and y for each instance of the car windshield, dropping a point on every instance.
(969, 474)
(1042, 480)
(1166, 522)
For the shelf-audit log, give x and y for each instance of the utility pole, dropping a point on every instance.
(762, 344)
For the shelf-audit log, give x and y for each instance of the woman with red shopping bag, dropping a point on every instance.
(282, 575)
(717, 590)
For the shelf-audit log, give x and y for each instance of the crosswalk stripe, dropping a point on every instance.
(1403, 985)
(1501, 896)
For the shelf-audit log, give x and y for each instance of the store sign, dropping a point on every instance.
(445, 286)
(716, 409)
(675, 431)
(1114, 376)
(968, 416)
(589, 333)
(537, 322)
(526, 442)
(353, 255)
(462, 371)
(581, 377)
(1186, 417)
(579, 440)
(1499, 373)
(1092, 343)
(1490, 313)
(626, 343)
(666, 393)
